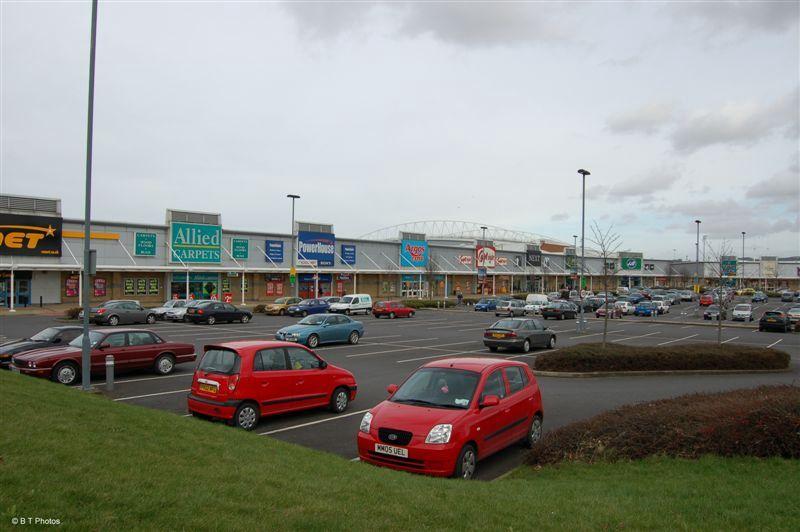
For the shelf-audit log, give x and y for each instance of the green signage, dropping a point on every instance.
(145, 245)
(631, 263)
(141, 286)
(195, 242)
(152, 286)
(240, 248)
(129, 286)
(728, 266)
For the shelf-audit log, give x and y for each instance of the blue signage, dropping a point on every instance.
(274, 250)
(309, 277)
(316, 249)
(348, 254)
(413, 253)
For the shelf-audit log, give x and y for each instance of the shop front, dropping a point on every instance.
(309, 280)
(413, 286)
(202, 285)
(20, 292)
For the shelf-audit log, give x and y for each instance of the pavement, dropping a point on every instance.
(391, 349)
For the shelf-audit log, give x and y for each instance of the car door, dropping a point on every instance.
(141, 350)
(494, 419)
(232, 312)
(273, 383)
(537, 333)
(117, 347)
(520, 401)
(311, 382)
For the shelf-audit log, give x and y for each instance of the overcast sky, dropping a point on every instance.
(379, 114)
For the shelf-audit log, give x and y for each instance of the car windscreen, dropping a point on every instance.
(346, 299)
(307, 302)
(713, 308)
(281, 300)
(438, 388)
(222, 361)
(45, 335)
(315, 319)
(506, 324)
(94, 337)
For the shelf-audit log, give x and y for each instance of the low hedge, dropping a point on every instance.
(72, 313)
(761, 422)
(429, 303)
(618, 357)
(259, 309)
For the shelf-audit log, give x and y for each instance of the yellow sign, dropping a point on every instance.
(96, 236)
(292, 271)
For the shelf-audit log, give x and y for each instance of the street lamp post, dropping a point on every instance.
(741, 279)
(294, 252)
(583, 174)
(697, 254)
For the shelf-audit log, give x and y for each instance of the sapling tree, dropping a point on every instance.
(607, 242)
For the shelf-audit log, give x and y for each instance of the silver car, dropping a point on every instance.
(510, 308)
(161, 311)
(179, 313)
(742, 312)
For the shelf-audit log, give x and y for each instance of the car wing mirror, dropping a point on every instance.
(56, 340)
(105, 345)
(490, 400)
(323, 364)
(391, 389)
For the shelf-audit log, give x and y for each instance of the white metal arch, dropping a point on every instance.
(457, 229)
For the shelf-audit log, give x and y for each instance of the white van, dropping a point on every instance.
(352, 304)
(535, 302)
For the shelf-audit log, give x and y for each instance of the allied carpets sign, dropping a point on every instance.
(485, 257)
(631, 263)
(348, 254)
(274, 251)
(240, 248)
(195, 242)
(413, 253)
(32, 236)
(316, 249)
(144, 244)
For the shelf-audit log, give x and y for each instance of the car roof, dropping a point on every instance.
(478, 364)
(239, 345)
(67, 327)
(122, 329)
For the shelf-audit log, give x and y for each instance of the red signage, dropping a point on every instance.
(502, 261)
(466, 260)
(99, 287)
(485, 257)
(71, 286)
(227, 297)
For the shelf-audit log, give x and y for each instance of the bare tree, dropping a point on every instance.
(718, 255)
(608, 242)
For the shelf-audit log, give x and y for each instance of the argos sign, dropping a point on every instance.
(485, 257)
(413, 253)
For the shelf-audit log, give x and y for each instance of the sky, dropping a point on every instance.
(381, 113)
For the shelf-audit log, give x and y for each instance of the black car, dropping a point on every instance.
(560, 310)
(788, 296)
(45, 338)
(211, 312)
(775, 320)
(713, 312)
(519, 333)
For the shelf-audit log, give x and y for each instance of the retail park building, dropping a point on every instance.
(41, 261)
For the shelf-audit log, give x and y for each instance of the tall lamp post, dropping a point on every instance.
(483, 286)
(741, 279)
(583, 174)
(294, 252)
(484, 228)
(697, 255)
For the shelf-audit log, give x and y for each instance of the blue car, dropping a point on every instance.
(322, 329)
(645, 308)
(485, 305)
(636, 298)
(308, 306)
(759, 297)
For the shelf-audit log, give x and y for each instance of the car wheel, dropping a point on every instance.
(534, 432)
(347, 311)
(552, 343)
(339, 400)
(313, 341)
(65, 373)
(353, 338)
(526, 346)
(281, 312)
(392, 316)
(211, 320)
(113, 321)
(411, 314)
(151, 319)
(496, 314)
(466, 463)
(245, 318)
(165, 364)
(493, 349)
(303, 314)
(561, 317)
(246, 416)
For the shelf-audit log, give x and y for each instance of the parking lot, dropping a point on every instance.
(391, 349)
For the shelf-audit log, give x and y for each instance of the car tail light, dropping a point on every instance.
(200, 311)
(232, 382)
(101, 310)
(511, 335)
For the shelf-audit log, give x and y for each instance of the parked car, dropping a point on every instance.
(353, 303)
(715, 312)
(119, 311)
(553, 296)
(759, 297)
(616, 312)
(560, 310)
(161, 311)
(131, 349)
(179, 313)
(485, 305)
(534, 308)
(794, 315)
(511, 308)
(745, 292)
(645, 308)
(279, 306)
(774, 320)
(240, 382)
(625, 307)
(636, 298)
(210, 312)
(451, 413)
(742, 312)
(706, 300)
(44, 338)
(536, 299)
(331, 299)
(518, 333)
(308, 306)
(392, 309)
(661, 305)
(688, 295)
(322, 329)
(788, 296)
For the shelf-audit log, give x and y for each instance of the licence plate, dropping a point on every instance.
(498, 335)
(393, 451)
(770, 319)
(208, 388)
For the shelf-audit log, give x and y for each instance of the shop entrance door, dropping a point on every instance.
(21, 292)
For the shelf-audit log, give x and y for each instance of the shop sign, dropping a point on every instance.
(649, 267)
(631, 263)
(502, 261)
(195, 242)
(144, 244)
(315, 248)
(273, 277)
(99, 287)
(533, 255)
(33, 236)
(728, 266)
(570, 260)
(310, 277)
(240, 248)
(485, 256)
(152, 286)
(348, 254)
(129, 286)
(466, 260)
(226, 284)
(274, 250)
(71, 286)
(141, 286)
(481, 273)
(343, 277)
(227, 297)
(413, 253)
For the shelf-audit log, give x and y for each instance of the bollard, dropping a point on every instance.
(109, 373)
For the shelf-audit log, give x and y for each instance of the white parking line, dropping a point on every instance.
(150, 395)
(533, 355)
(152, 378)
(730, 339)
(678, 339)
(687, 326)
(473, 329)
(334, 418)
(595, 334)
(634, 337)
(452, 354)
(409, 348)
(775, 343)
(451, 326)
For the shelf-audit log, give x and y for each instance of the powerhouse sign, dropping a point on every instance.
(34, 236)
(413, 253)
(316, 248)
(195, 242)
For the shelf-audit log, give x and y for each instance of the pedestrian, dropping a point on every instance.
(460, 298)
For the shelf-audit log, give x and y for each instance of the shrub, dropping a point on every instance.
(429, 303)
(259, 308)
(618, 357)
(72, 313)
(761, 422)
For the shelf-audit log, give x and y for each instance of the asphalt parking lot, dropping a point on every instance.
(391, 349)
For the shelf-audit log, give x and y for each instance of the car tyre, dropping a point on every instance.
(245, 318)
(411, 314)
(353, 338)
(493, 348)
(467, 462)
(303, 314)
(66, 373)
(246, 416)
(526, 346)
(551, 344)
(165, 364)
(347, 311)
(113, 321)
(211, 320)
(340, 399)
(392, 316)
(151, 319)
(534, 432)
(312, 341)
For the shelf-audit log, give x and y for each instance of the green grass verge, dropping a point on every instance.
(94, 464)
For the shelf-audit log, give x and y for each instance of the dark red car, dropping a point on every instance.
(131, 348)
(451, 413)
(392, 309)
(240, 382)
(706, 300)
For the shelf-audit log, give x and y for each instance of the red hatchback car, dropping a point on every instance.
(451, 413)
(392, 309)
(132, 349)
(706, 300)
(241, 381)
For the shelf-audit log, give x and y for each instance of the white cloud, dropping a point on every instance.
(727, 17)
(647, 119)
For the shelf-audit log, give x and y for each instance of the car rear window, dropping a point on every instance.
(507, 324)
(742, 307)
(773, 314)
(222, 361)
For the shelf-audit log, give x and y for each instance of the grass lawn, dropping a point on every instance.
(94, 464)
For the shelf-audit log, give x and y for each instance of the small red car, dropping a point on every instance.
(131, 348)
(392, 309)
(616, 312)
(451, 413)
(240, 382)
(706, 300)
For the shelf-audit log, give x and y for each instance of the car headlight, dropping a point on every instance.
(31, 364)
(366, 423)
(440, 434)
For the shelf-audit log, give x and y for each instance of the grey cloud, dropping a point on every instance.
(647, 118)
(646, 185)
(559, 217)
(783, 188)
(722, 17)
(738, 124)
(325, 20)
(727, 219)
